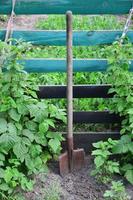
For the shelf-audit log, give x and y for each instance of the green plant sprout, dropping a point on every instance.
(116, 192)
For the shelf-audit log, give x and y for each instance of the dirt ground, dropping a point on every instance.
(75, 186)
(24, 23)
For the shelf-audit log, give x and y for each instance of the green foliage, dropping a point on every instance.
(58, 22)
(105, 168)
(26, 123)
(117, 192)
(121, 80)
(3, 18)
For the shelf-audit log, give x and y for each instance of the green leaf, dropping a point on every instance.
(50, 122)
(29, 185)
(123, 145)
(55, 135)
(26, 141)
(41, 139)
(38, 162)
(32, 126)
(12, 128)
(22, 109)
(99, 161)
(35, 150)
(129, 176)
(4, 187)
(3, 125)
(50, 135)
(19, 126)
(1, 173)
(2, 157)
(38, 111)
(97, 144)
(46, 156)
(29, 163)
(20, 150)
(29, 134)
(7, 140)
(14, 115)
(26, 184)
(43, 127)
(127, 167)
(103, 153)
(130, 147)
(1, 163)
(8, 175)
(54, 144)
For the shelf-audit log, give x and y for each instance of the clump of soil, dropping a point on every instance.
(27, 22)
(74, 186)
(23, 22)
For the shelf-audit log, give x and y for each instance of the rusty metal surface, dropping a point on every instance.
(63, 164)
(78, 158)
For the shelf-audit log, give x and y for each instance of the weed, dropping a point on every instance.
(116, 192)
(53, 192)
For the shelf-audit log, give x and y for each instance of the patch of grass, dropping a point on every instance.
(53, 192)
(58, 22)
(3, 18)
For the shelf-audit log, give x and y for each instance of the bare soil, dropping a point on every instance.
(78, 185)
(74, 186)
(23, 22)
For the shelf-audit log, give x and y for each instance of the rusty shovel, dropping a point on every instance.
(72, 159)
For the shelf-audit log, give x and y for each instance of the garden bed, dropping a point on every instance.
(75, 186)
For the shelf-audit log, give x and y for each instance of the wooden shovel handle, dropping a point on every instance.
(69, 76)
(69, 89)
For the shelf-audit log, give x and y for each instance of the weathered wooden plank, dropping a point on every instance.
(95, 117)
(58, 38)
(61, 6)
(85, 140)
(54, 65)
(79, 91)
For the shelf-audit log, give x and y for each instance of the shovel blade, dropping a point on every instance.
(78, 159)
(63, 164)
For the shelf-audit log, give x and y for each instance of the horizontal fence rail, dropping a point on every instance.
(79, 91)
(84, 91)
(85, 140)
(59, 65)
(61, 6)
(58, 38)
(100, 117)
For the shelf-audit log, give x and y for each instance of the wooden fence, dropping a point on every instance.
(80, 38)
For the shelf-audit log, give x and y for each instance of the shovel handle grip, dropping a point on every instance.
(69, 77)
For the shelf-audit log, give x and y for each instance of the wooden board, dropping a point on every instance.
(61, 6)
(59, 65)
(79, 91)
(96, 117)
(58, 38)
(85, 140)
